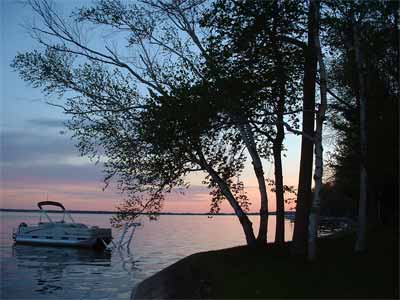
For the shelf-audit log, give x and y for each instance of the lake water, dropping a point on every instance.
(36, 272)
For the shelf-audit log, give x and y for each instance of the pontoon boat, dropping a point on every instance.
(61, 233)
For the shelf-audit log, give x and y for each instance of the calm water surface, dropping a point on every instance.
(36, 272)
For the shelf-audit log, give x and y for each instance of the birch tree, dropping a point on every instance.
(109, 102)
(319, 159)
(254, 41)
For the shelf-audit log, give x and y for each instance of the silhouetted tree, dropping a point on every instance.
(363, 36)
(201, 82)
(110, 107)
(319, 159)
(253, 43)
(300, 234)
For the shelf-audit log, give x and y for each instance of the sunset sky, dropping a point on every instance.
(38, 157)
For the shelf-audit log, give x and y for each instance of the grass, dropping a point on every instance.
(271, 272)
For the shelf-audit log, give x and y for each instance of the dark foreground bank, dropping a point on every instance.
(271, 272)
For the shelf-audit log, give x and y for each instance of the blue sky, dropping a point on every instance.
(38, 156)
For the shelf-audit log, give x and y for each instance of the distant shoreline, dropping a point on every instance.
(114, 212)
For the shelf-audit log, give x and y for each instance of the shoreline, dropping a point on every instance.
(272, 272)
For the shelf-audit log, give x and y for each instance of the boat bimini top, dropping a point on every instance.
(43, 212)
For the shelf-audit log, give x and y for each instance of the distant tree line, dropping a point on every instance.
(202, 86)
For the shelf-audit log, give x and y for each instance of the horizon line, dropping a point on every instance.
(114, 212)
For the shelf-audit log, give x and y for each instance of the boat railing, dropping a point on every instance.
(23, 224)
(46, 213)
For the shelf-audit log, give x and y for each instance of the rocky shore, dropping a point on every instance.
(271, 272)
(184, 279)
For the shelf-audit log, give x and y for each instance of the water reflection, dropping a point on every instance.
(128, 263)
(49, 265)
(30, 272)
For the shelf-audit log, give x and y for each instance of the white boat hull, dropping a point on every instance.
(88, 243)
(62, 234)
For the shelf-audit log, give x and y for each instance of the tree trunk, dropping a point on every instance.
(280, 132)
(306, 158)
(248, 138)
(362, 206)
(397, 42)
(319, 163)
(244, 220)
(280, 202)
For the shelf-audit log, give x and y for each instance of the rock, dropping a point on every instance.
(182, 280)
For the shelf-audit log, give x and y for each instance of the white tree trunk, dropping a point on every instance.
(244, 220)
(319, 163)
(362, 205)
(248, 138)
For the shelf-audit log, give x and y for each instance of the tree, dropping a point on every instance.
(361, 99)
(253, 43)
(237, 98)
(319, 159)
(152, 139)
(363, 36)
(300, 233)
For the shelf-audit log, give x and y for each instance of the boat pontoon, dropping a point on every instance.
(61, 233)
